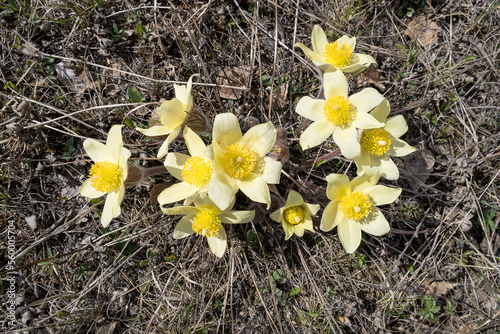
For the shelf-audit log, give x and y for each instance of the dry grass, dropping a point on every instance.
(73, 276)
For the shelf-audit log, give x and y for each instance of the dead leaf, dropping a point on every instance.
(371, 76)
(108, 328)
(232, 76)
(440, 288)
(31, 220)
(423, 29)
(279, 96)
(420, 164)
(468, 327)
(73, 76)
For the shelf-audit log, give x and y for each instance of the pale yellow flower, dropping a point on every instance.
(173, 114)
(379, 145)
(338, 115)
(353, 207)
(108, 173)
(295, 216)
(338, 54)
(206, 219)
(240, 161)
(194, 171)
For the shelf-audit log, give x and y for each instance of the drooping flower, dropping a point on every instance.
(173, 114)
(379, 145)
(240, 161)
(338, 54)
(353, 207)
(108, 173)
(194, 171)
(206, 219)
(295, 216)
(339, 115)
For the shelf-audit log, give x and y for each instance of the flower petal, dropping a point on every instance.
(164, 147)
(308, 223)
(155, 131)
(316, 58)
(367, 180)
(338, 186)
(396, 126)
(363, 161)
(330, 216)
(172, 113)
(114, 142)
(381, 195)
(226, 130)
(311, 108)
(176, 192)
(260, 138)
(294, 199)
(350, 235)
(218, 243)
(220, 191)
(377, 224)
(174, 162)
(299, 230)
(315, 134)
(237, 217)
(311, 209)
(318, 39)
(388, 168)
(347, 140)
(194, 143)
(107, 212)
(277, 215)
(381, 111)
(257, 190)
(400, 148)
(272, 171)
(181, 210)
(335, 83)
(184, 227)
(289, 230)
(183, 92)
(358, 61)
(351, 41)
(86, 190)
(366, 121)
(366, 100)
(97, 151)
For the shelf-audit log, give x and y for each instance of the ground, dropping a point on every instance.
(71, 70)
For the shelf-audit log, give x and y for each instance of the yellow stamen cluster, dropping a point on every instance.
(105, 176)
(238, 161)
(294, 215)
(206, 224)
(197, 172)
(376, 141)
(356, 205)
(338, 111)
(338, 54)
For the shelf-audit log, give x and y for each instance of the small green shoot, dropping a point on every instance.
(430, 309)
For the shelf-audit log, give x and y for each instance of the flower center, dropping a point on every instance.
(338, 54)
(355, 206)
(294, 215)
(197, 172)
(206, 224)
(338, 111)
(238, 161)
(105, 176)
(376, 141)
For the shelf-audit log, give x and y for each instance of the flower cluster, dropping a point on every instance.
(212, 174)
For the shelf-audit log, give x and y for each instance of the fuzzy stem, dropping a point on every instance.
(153, 171)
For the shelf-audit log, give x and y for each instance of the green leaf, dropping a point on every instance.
(135, 95)
(319, 163)
(295, 291)
(253, 239)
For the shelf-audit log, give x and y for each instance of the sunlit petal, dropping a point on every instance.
(366, 100)
(176, 192)
(260, 138)
(377, 224)
(311, 108)
(381, 195)
(350, 235)
(218, 243)
(315, 134)
(183, 228)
